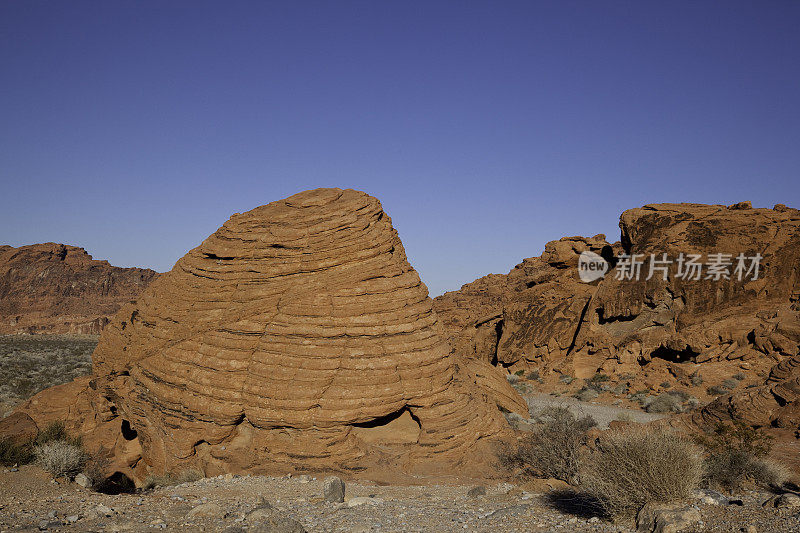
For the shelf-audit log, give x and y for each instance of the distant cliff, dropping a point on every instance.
(57, 288)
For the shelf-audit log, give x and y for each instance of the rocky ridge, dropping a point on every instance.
(657, 333)
(57, 288)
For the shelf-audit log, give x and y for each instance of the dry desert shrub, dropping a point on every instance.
(553, 448)
(636, 466)
(665, 403)
(60, 458)
(736, 454)
(15, 453)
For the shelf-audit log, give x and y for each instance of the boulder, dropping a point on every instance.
(288, 339)
(206, 510)
(667, 518)
(333, 489)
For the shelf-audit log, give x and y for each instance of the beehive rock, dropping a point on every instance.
(285, 338)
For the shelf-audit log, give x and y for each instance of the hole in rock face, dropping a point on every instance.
(400, 427)
(602, 319)
(218, 257)
(607, 253)
(686, 355)
(498, 332)
(128, 433)
(116, 483)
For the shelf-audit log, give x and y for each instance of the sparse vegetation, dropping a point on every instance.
(587, 394)
(665, 403)
(696, 379)
(633, 467)
(717, 390)
(32, 363)
(736, 454)
(96, 469)
(60, 458)
(565, 379)
(730, 383)
(553, 448)
(15, 453)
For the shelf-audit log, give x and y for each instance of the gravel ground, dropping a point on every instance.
(29, 500)
(602, 414)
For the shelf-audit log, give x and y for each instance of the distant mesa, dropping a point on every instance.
(57, 288)
(296, 336)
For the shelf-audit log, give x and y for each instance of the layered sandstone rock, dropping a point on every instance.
(55, 288)
(542, 316)
(296, 336)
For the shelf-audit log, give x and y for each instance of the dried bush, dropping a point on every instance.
(553, 448)
(730, 471)
(599, 378)
(60, 458)
(55, 431)
(770, 473)
(15, 453)
(665, 403)
(730, 383)
(586, 394)
(96, 469)
(735, 454)
(636, 466)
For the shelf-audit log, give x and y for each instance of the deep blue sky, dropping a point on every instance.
(135, 129)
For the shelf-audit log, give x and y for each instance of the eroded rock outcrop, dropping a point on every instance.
(296, 336)
(542, 316)
(56, 288)
(656, 333)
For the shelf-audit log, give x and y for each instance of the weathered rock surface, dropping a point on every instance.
(56, 288)
(291, 337)
(542, 316)
(667, 518)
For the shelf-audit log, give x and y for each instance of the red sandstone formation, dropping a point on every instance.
(55, 288)
(542, 316)
(296, 336)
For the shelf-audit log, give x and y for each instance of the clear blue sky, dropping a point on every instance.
(134, 129)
